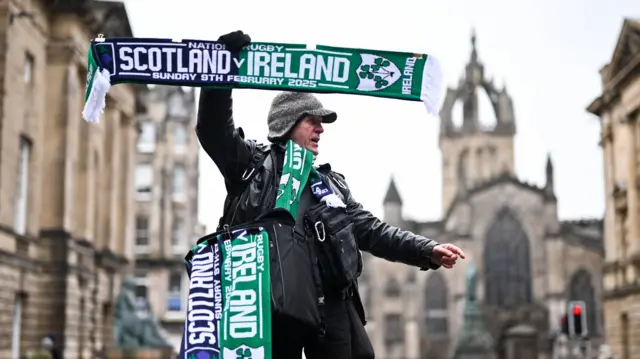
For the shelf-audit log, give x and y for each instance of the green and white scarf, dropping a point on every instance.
(297, 171)
(271, 66)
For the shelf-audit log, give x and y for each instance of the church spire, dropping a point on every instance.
(392, 195)
(474, 51)
(549, 186)
(474, 76)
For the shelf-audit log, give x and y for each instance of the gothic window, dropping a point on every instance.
(581, 288)
(393, 288)
(436, 304)
(507, 263)
(480, 163)
(463, 165)
(492, 161)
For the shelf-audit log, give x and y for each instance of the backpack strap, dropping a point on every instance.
(235, 191)
(338, 180)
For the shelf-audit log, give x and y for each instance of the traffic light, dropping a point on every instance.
(577, 315)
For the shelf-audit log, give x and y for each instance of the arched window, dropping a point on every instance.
(463, 168)
(491, 161)
(393, 288)
(480, 164)
(436, 305)
(581, 288)
(507, 263)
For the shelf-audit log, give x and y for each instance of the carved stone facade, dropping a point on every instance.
(166, 186)
(66, 219)
(619, 110)
(530, 263)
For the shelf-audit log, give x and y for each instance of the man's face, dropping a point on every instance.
(307, 133)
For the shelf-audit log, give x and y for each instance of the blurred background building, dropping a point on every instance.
(166, 193)
(530, 263)
(619, 111)
(67, 209)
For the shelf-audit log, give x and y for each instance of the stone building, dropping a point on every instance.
(529, 262)
(166, 193)
(66, 219)
(619, 111)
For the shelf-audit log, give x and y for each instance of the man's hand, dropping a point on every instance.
(235, 41)
(446, 255)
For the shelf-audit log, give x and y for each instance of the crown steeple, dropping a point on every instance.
(474, 80)
(474, 153)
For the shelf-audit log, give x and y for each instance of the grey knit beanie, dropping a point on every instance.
(287, 108)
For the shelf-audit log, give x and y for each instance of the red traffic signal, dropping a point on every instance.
(577, 309)
(577, 319)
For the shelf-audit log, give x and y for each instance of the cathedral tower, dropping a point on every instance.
(473, 153)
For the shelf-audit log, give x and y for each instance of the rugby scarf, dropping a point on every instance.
(297, 170)
(229, 303)
(271, 66)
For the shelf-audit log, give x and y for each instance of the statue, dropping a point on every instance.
(475, 341)
(472, 278)
(135, 325)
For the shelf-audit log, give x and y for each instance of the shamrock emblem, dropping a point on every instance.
(243, 353)
(377, 72)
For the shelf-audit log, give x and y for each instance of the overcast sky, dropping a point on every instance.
(547, 52)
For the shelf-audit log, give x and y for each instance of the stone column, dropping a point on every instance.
(633, 237)
(82, 177)
(92, 190)
(112, 169)
(127, 202)
(610, 220)
(70, 166)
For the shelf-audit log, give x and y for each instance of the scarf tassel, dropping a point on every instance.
(431, 91)
(97, 100)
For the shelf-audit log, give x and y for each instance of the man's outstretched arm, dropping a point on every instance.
(389, 242)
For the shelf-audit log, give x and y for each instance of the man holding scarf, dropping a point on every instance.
(295, 123)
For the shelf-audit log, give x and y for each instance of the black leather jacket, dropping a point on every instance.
(231, 153)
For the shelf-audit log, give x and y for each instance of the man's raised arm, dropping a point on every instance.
(218, 135)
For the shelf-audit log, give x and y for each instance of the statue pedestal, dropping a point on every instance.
(141, 353)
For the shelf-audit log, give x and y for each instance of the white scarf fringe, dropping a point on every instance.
(97, 101)
(431, 92)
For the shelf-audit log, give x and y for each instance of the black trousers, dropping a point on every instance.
(342, 327)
